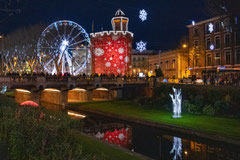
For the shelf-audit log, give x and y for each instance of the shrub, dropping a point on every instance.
(209, 110)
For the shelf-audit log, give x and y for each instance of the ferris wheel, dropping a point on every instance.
(64, 46)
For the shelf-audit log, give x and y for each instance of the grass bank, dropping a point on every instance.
(218, 125)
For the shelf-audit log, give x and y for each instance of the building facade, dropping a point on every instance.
(140, 61)
(172, 63)
(111, 50)
(214, 45)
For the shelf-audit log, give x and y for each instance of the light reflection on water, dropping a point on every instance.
(154, 143)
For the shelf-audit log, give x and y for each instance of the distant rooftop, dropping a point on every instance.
(207, 21)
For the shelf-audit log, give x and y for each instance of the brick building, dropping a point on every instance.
(214, 44)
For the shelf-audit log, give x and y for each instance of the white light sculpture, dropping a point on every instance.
(177, 148)
(141, 46)
(4, 89)
(177, 103)
(143, 15)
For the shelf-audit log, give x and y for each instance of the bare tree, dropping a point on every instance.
(20, 49)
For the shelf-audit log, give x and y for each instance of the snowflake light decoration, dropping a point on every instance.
(143, 15)
(210, 28)
(141, 46)
(99, 52)
(121, 50)
(212, 47)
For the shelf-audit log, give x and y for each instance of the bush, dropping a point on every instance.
(209, 110)
(225, 100)
(29, 137)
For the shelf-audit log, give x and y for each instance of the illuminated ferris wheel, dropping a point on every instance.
(64, 47)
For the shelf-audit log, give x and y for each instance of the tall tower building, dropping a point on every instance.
(111, 50)
(120, 21)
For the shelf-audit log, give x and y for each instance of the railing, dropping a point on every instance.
(24, 79)
(66, 79)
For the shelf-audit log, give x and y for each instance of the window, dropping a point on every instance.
(227, 40)
(196, 44)
(173, 63)
(208, 43)
(228, 58)
(217, 42)
(195, 31)
(197, 62)
(134, 59)
(143, 58)
(139, 58)
(167, 65)
(209, 60)
(218, 59)
(238, 56)
(217, 27)
(238, 38)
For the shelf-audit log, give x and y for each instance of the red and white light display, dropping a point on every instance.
(119, 137)
(111, 52)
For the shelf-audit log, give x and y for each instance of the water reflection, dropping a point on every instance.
(177, 148)
(154, 143)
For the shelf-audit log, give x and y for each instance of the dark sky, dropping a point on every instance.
(166, 24)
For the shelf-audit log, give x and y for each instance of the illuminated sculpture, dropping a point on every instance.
(111, 50)
(141, 46)
(177, 102)
(64, 47)
(177, 148)
(4, 89)
(143, 15)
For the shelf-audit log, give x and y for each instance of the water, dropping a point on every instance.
(156, 143)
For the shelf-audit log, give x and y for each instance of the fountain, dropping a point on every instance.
(177, 102)
(177, 148)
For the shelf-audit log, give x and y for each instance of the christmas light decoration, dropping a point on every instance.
(210, 27)
(193, 23)
(120, 137)
(177, 102)
(4, 90)
(112, 53)
(212, 47)
(177, 148)
(143, 15)
(64, 47)
(141, 46)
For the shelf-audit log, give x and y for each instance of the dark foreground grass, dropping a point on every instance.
(98, 148)
(219, 125)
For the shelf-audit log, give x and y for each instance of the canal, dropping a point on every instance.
(151, 142)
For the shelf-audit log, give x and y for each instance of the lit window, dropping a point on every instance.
(217, 59)
(174, 63)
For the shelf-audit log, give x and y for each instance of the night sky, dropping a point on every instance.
(166, 24)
